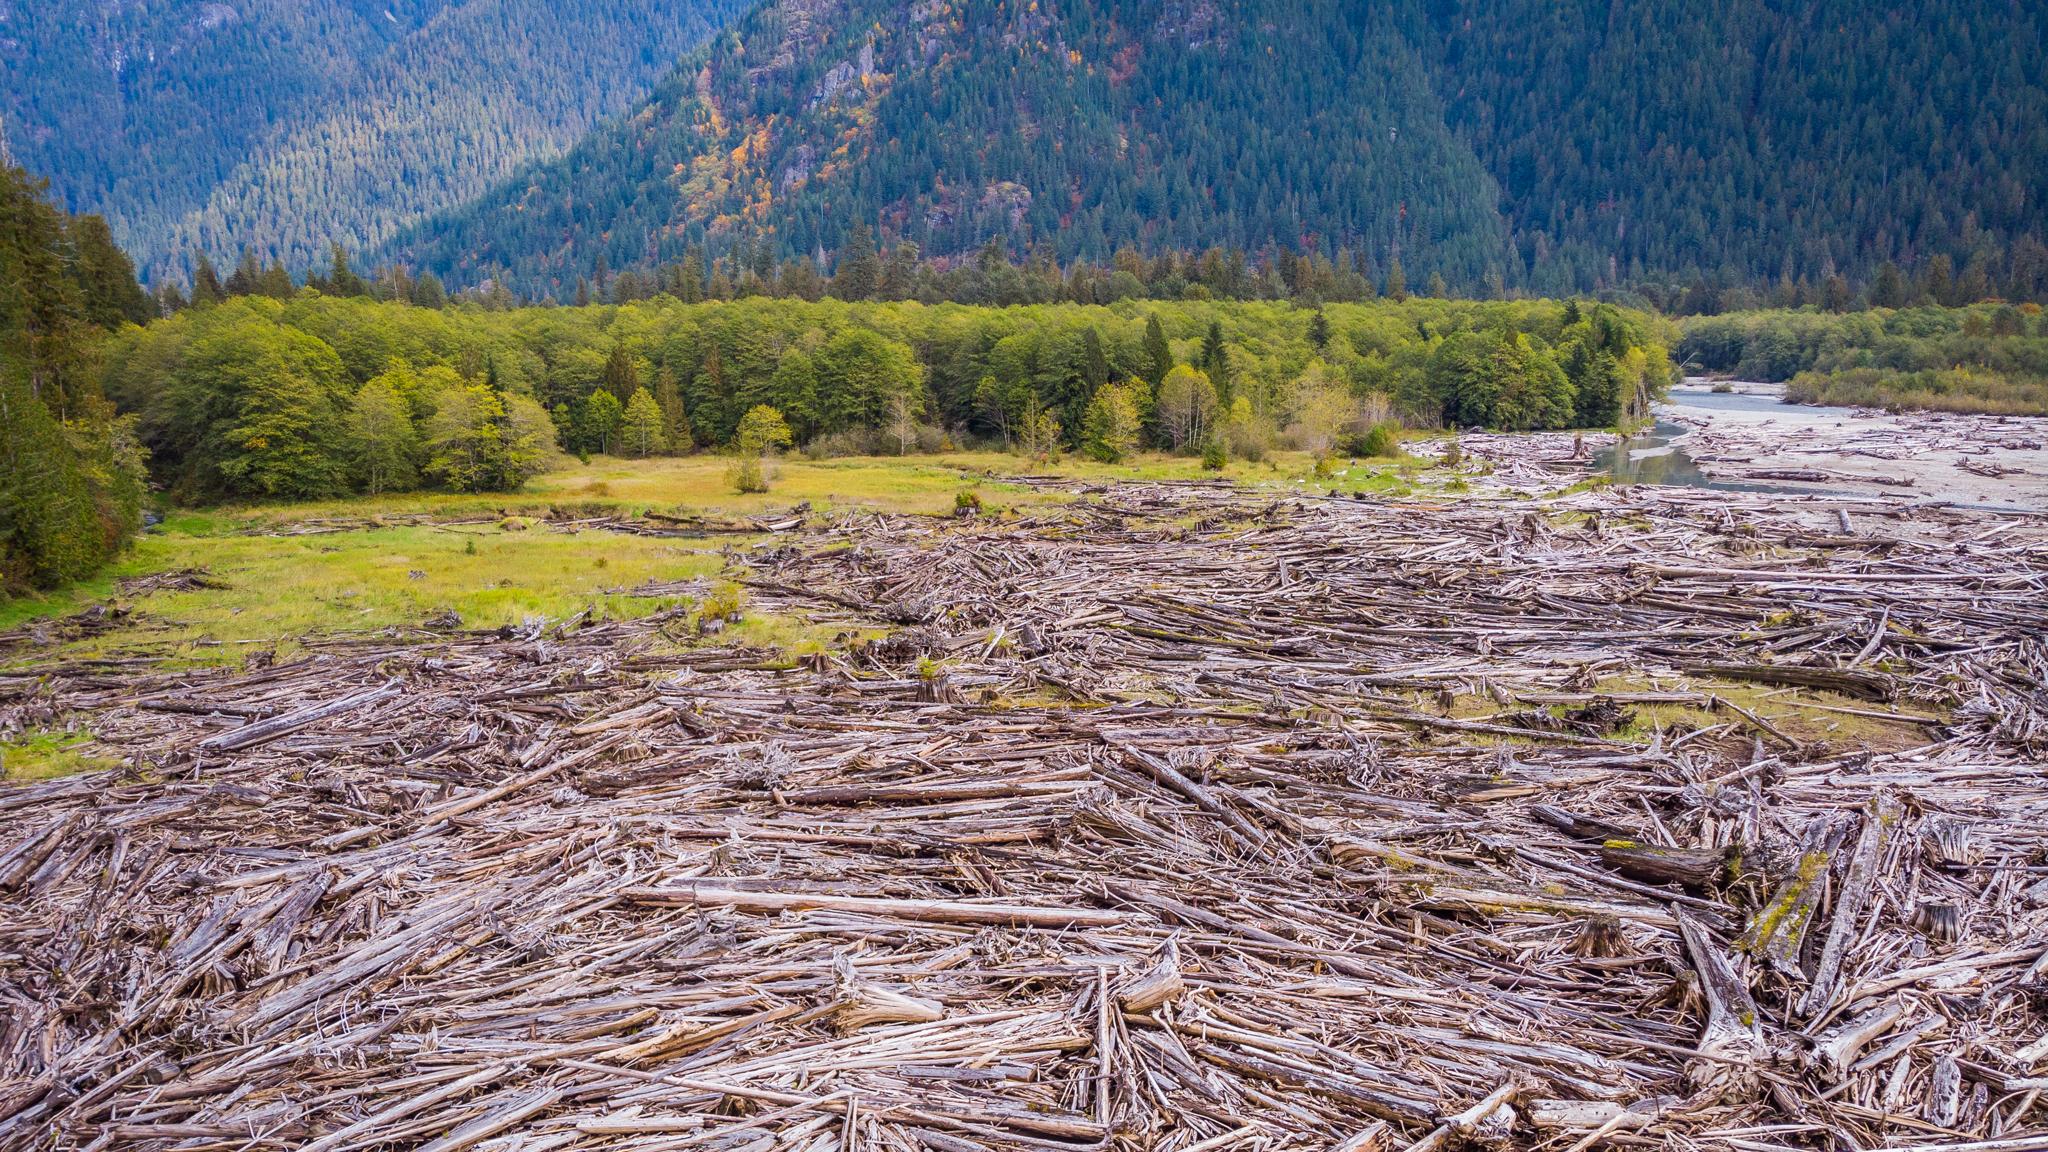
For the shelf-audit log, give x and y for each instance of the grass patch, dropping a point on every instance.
(1964, 390)
(43, 755)
(285, 588)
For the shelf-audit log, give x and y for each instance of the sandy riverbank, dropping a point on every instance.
(1946, 456)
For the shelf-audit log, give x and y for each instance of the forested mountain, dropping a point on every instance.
(1502, 144)
(1751, 140)
(285, 124)
(1076, 126)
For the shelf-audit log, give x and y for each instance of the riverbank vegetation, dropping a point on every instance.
(313, 396)
(1988, 357)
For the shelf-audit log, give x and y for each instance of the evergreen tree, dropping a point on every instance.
(70, 473)
(107, 290)
(801, 281)
(276, 283)
(1397, 282)
(690, 278)
(860, 269)
(428, 293)
(1319, 330)
(243, 280)
(1437, 287)
(675, 422)
(206, 285)
(1941, 281)
(899, 275)
(341, 279)
(621, 377)
(1158, 354)
(582, 292)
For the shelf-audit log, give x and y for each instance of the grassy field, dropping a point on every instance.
(286, 586)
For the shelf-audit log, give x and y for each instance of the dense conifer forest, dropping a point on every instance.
(1673, 154)
(71, 470)
(282, 125)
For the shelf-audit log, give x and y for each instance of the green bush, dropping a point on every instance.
(1383, 440)
(1213, 456)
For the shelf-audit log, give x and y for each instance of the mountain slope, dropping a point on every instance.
(1758, 139)
(1073, 125)
(1565, 147)
(282, 124)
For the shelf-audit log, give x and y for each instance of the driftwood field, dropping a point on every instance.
(1171, 818)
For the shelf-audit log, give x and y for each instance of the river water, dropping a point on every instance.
(1658, 455)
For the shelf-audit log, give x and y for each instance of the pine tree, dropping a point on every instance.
(1319, 330)
(247, 274)
(1158, 354)
(582, 292)
(1940, 280)
(690, 278)
(860, 269)
(428, 293)
(1890, 289)
(1397, 282)
(106, 278)
(621, 377)
(1437, 287)
(341, 279)
(899, 275)
(1216, 361)
(675, 422)
(276, 283)
(206, 286)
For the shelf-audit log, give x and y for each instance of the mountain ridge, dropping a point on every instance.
(1501, 144)
(194, 125)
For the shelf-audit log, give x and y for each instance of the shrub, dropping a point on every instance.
(1383, 440)
(1213, 456)
(1453, 455)
(1723, 388)
(748, 473)
(965, 501)
(726, 600)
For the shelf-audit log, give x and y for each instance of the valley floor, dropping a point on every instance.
(1139, 812)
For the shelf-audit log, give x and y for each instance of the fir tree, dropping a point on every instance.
(675, 422)
(107, 289)
(1397, 282)
(206, 286)
(621, 377)
(582, 292)
(899, 275)
(1319, 330)
(1158, 354)
(276, 283)
(860, 269)
(247, 274)
(690, 277)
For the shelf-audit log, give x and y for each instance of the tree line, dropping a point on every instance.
(318, 394)
(71, 469)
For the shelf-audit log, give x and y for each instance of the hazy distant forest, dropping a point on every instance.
(195, 126)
